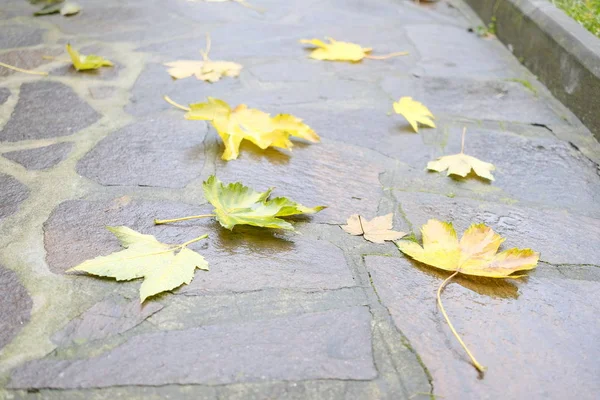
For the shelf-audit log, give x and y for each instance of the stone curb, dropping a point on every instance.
(563, 54)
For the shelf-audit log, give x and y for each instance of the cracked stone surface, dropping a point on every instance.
(315, 314)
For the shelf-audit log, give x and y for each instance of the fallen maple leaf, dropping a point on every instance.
(475, 254)
(461, 164)
(145, 257)
(414, 112)
(206, 70)
(235, 125)
(81, 62)
(377, 230)
(236, 204)
(343, 51)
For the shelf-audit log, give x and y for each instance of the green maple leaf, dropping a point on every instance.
(236, 204)
(145, 257)
(81, 62)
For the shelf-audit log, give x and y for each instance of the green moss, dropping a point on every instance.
(525, 83)
(586, 12)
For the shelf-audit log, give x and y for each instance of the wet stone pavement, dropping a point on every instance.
(314, 315)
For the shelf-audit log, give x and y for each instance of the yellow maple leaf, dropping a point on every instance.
(241, 122)
(82, 62)
(377, 230)
(461, 164)
(343, 51)
(414, 112)
(475, 254)
(206, 70)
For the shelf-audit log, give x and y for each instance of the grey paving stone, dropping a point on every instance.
(160, 151)
(42, 157)
(534, 334)
(560, 236)
(243, 260)
(451, 51)
(477, 99)
(15, 304)
(343, 177)
(111, 316)
(12, 194)
(4, 95)
(25, 58)
(19, 35)
(329, 345)
(532, 170)
(45, 110)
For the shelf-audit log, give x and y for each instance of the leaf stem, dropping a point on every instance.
(205, 52)
(385, 57)
(361, 225)
(184, 245)
(476, 364)
(462, 141)
(25, 71)
(171, 102)
(167, 221)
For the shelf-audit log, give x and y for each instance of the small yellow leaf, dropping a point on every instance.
(81, 62)
(461, 164)
(475, 254)
(210, 71)
(414, 112)
(377, 230)
(336, 51)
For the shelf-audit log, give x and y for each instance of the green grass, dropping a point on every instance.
(586, 12)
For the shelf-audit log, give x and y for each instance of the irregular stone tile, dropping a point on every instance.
(15, 304)
(45, 110)
(478, 99)
(25, 59)
(538, 340)
(162, 151)
(561, 237)
(329, 345)
(42, 157)
(4, 95)
(155, 82)
(20, 36)
(12, 194)
(111, 316)
(451, 51)
(102, 92)
(345, 178)
(242, 260)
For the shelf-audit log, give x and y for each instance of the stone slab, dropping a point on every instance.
(243, 260)
(159, 151)
(343, 177)
(41, 157)
(534, 337)
(329, 345)
(15, 306)
(20, 35)
(12, 194)
(560, 236)
(113, 315)
(45, 110)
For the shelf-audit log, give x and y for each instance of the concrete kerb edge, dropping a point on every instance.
(563, 54)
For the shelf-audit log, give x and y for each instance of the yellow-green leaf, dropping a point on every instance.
(336, 51)
(164, 267)
(81, 62)
(236, 204)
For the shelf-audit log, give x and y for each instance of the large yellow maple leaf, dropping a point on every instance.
(475, 254)
(243, 123)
